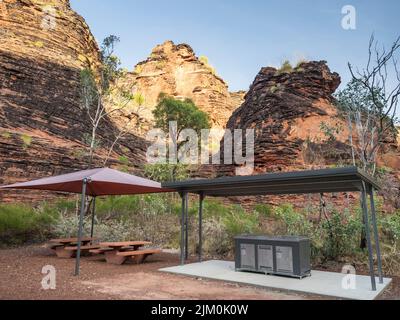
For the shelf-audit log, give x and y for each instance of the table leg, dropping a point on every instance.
(65, 254)
(140, 258)
(113, 258)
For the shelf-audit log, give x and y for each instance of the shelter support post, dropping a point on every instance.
(183, 196)
(187, 226)
(80, 231)
(364, 207)
(93, 214)
(376, 234)
(201, 203)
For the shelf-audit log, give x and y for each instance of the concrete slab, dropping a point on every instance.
(320, 283)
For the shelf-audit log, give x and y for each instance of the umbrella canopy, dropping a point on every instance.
(95, 182)
(100, 182)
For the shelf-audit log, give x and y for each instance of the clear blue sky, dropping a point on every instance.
(238, 36)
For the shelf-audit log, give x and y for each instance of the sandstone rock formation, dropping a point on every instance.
(292, 113)
(176, 71)
(286, 109)
(43, 47)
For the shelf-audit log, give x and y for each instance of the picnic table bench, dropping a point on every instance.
(138, 256)
(119, 252)
(67, 248)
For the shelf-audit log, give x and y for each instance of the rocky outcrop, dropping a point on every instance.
(296, 123)
(286, 110)
(176, 71)
(43, 47)
(237, 98)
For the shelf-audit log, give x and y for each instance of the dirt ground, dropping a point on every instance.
(20, 278)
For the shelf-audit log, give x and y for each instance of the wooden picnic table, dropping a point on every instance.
(67, 241)
(117, 245)
(111, 249)
(66, 248)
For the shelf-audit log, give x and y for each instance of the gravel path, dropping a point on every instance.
(21, 279)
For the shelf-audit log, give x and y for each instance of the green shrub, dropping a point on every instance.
(264, 210)
(6, 135)
(124, 160)
(67, 205)
(391, 226)
(239, 222)
(27, 140)
(121, 218)
(67, 226)
(167, 172)
(21, 224)
(299, 63)
(274, 89)
(341, 234)
(222, 223)
(286, 67)
(217, 242)
(330, 239)
(117, 206)
(295, 222)
(138, 69)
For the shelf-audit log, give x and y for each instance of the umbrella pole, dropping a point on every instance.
(93, 213)
(80, 231)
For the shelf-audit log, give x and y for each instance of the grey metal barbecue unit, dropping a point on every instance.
(350, 179)
(284, 255)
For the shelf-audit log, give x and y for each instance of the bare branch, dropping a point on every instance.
(375, 120)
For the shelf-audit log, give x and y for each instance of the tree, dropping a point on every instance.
(100, 96)
(133, 120)
(370, 102)
(187, 116)
(185, 113)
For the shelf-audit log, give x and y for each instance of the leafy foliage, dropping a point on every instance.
(330, 132)
(355, 97)
(365, 112)
(391, 226)
(185, 113)
(27, 140)
(20, 223)
(286, 67)
(331, 239)
(263, 210)
(167, 172)
(138, 98)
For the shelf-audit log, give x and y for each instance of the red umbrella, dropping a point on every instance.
(95, 182)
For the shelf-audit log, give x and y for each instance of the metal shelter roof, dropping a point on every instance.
(312, 181)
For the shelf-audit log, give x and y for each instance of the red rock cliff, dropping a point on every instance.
(43, 47)
(176, 71)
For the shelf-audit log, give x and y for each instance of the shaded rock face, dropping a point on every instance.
(176, 71)
(42, 128)
(285, 109)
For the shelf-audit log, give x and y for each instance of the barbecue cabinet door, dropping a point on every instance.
(247, 256)
(284, 260)
(265, 258)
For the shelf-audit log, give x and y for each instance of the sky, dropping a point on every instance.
(241, 36)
